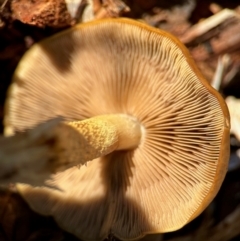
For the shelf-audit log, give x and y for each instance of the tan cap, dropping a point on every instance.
(122, 66)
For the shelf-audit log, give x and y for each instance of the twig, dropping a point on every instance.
(207, 24)
(231, 74)
(1, 10)
(3, 5)
(223, 63)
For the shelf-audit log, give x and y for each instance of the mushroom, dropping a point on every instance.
(124, 68)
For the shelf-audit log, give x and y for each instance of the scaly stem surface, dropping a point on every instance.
(101, 135)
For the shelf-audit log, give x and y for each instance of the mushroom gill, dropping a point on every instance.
(124, 67)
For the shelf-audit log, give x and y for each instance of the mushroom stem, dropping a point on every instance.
(106, 133)
(31, 157)
(78, 142)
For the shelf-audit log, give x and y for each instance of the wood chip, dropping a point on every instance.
(234, 110)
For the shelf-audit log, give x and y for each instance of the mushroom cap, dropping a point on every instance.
(122, 66)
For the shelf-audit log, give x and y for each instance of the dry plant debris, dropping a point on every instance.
(110, 8)
(75, 7)
(41, 13)
(234, 109)
(213, 37)
(63, 13)
(203, 27)
(174, 20)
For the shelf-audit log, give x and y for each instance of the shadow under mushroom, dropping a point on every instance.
(98, 206)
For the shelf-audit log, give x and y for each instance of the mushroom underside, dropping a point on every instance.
(123, 68)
